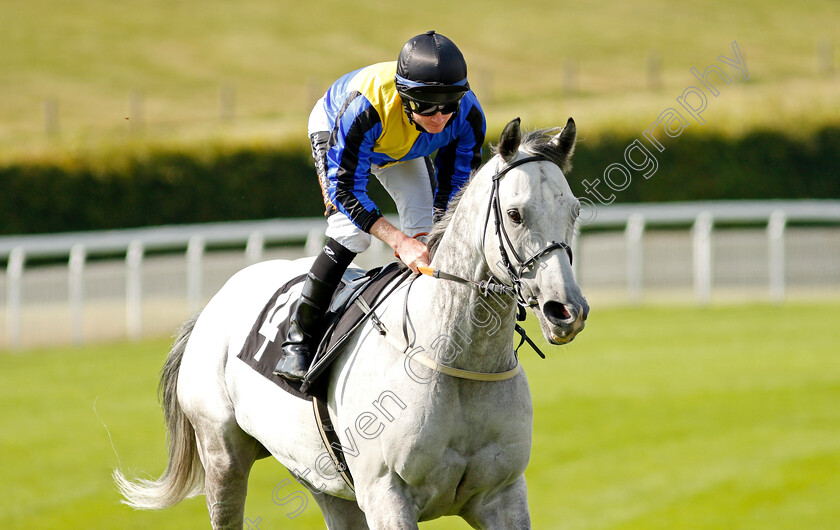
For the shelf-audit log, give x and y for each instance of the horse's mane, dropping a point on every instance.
(536, 142)
(440, 225)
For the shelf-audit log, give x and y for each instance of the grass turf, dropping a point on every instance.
(657, 417)
(543, 61)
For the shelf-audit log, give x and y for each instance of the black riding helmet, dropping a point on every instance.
(431, 74)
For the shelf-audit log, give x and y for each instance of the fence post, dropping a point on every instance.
(570, 76)
(135, 112)
(576, 251)
(51, 117)
(76, 291)
(776, 255)
(227, 102)
(195, 257)
(134, 289)
(14, 275)
(314, 91)
(254, 247)
(702, 249)
(485, 83)
(635, 264)
(314, 242)
(825, 57)
(654, 71)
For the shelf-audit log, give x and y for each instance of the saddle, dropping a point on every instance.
(358, 289)
(350, 306)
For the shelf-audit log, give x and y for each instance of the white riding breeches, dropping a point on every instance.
(410, 185)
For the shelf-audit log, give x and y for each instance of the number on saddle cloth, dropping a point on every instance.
(261, 350)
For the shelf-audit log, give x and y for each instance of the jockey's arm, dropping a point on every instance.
(411, 251)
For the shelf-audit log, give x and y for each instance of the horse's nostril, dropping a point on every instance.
(556, 312)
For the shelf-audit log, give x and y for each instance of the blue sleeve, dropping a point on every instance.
(456, 161)
(351, 143)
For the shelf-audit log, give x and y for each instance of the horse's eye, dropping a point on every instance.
(515, 216)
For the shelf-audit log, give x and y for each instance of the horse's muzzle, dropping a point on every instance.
(565, 320)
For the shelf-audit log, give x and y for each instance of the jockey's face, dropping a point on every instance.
(431, 124)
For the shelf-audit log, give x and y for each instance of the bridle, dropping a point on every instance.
(494, 284)
(514, 272)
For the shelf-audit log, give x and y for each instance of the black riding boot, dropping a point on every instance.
(305, 323)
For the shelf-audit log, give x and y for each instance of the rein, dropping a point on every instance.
(406, 346)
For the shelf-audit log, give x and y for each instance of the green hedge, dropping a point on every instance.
(162, 188)
(760, 165)
(257, 183)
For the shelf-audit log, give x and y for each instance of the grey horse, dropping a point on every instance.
(431, 406)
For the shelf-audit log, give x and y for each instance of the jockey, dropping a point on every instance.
(385, 120)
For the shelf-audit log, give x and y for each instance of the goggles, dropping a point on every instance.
(430, 109)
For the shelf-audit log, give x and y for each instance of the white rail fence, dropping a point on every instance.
(77, 287)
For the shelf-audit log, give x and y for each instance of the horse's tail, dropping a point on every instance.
(184, 474)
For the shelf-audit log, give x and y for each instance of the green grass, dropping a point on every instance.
(88, 56)
(658, 417)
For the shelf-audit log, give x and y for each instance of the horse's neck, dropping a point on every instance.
(474, 331)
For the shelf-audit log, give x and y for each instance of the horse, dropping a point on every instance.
(428, 399)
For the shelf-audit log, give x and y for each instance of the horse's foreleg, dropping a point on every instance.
(386, 507)
(340, 514)
(507, 509)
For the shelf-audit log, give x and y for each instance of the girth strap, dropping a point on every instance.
(331, 441)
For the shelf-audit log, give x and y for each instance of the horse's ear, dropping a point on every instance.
(564, 145)
(509, 141)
